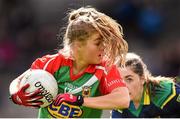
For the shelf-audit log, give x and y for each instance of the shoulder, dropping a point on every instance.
(46, 58)
(111, 71)
(48, 62)
(163, 93)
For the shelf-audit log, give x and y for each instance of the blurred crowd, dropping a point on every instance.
(151, 29)
(32, 28)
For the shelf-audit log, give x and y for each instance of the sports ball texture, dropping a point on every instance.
(43, 80)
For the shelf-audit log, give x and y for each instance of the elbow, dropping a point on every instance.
(123, 99)
(126, 103)
(123, 103)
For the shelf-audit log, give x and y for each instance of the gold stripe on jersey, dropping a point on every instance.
(171, 96)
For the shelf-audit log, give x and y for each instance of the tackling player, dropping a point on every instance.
(87, 80)
(150, 96)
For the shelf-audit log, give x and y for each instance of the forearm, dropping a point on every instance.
(14, 86)
(118, 98)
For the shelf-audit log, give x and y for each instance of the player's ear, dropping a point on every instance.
(77, 44)
(80, 44)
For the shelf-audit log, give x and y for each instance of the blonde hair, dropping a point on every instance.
(85, 21)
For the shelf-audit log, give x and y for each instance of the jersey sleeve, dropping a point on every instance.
(111, 80)
(49, 63)
(173, 106)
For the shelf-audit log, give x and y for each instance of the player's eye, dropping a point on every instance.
(128, 80)
(98, 43)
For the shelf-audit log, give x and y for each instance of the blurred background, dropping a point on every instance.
(29, 28)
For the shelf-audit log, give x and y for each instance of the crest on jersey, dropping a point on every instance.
(86, 91)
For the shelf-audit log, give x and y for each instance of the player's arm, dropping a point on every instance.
(118, 98)
(115, 92)
(14, 86)
(19, 96)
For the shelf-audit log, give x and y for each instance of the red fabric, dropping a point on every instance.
(111, 81)
(108, 81)
(54, 63)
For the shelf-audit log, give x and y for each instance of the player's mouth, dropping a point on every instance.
(100, 56)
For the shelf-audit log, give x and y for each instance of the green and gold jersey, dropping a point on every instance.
(165, 102)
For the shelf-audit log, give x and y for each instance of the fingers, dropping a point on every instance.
(58, 101)
(25, 87)
(58, 98)
(34, 104)
(34, 94)
(35, 98)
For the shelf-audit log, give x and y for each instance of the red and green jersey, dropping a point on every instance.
(94, 78)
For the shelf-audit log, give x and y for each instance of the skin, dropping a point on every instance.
(134, 84)
(118, 98)
(90, 52)
(83, 51)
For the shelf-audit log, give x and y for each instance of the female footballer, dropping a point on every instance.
(92, 42)
(150, 96)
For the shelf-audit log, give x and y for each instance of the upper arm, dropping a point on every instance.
(121, 95)
(49, 63)
(14, 85)
(111, 81)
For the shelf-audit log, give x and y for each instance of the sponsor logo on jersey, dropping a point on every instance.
(65, 110)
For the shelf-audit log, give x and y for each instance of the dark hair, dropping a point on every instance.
(139, 67)
(136, 66)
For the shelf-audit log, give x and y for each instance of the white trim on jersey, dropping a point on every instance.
(44, 68)
(90, 82)
(102, 68)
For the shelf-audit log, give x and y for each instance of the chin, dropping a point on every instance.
(98, 62)
(131, 97)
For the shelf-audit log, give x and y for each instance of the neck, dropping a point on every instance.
(79, 66)
(137, 100)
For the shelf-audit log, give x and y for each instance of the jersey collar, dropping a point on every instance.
(90, 69)
(146, 96)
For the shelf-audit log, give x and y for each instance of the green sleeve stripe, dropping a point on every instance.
(170, 96)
